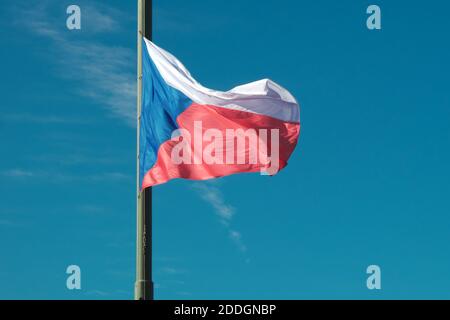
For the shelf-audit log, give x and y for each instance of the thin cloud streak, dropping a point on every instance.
(77, 159)
(236, 237)
(18, 173)
(58, 177)
(8, 223)
(212, 195)
(104, 72)
(101, 20)
(43, 119)
(172, 271)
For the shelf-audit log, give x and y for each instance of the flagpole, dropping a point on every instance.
(144, 283)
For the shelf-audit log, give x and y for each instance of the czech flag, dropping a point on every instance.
(192, 132)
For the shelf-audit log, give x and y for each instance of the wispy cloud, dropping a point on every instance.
(60, 177)
(76, 159)
(98, 293)
(236, 237)
(6, 222)
(172, 278)
(11, 223)
(43, 119)
(19, 173)
(101, 18)
(104, 294)
(172, 271)
(105, 73)
(212, 195)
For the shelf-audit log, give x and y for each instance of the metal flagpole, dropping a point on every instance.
(144, 284)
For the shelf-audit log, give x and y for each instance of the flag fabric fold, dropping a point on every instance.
(192, 132)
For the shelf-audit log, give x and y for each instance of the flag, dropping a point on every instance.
(192, 132)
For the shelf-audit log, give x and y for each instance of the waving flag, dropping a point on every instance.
(192, 132)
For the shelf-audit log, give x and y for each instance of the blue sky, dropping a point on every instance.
(367, 184)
